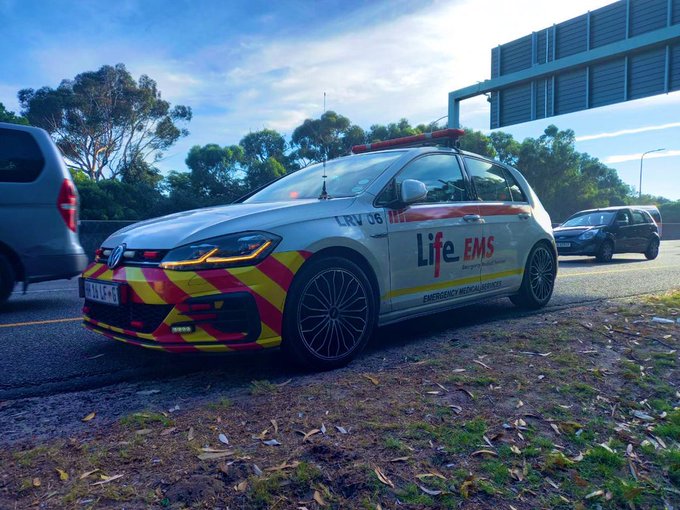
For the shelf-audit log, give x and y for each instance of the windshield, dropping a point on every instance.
(591, 219)
(346, 177)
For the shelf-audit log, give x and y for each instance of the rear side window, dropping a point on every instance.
(640, 217)
(493, 183)
(20, 156)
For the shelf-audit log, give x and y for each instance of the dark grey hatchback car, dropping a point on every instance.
(39, 205)
(604, 232)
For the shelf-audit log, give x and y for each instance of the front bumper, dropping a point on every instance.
(577, 247)
(216, 310)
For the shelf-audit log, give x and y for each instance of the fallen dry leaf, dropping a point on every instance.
(371, 378)
(515, 449)
(88, 473)
(89, 416)
(211, 456)
(168, 431)
(223, 439)
(319, 499)
(310, 434)
(37, 482)
(429, 491)
(342, 430)
(275, 425)
(242, 486)
(399, 459)
(63, 475)
(190, 435)
(383, 477)
(430, 475)
(271, 442)
(594, 494)
(107, 479)
(555, 428)
(482, 364)
(284, 465)
(484, 452)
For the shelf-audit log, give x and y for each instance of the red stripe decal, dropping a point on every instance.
(164, 286)
(276, 272)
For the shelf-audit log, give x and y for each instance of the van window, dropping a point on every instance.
(20, 156)
(640, 217)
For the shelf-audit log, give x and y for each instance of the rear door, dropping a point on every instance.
(427, 240)
(642, 230)
(506, 235)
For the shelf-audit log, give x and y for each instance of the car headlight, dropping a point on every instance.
(589, 234)
(244, 249)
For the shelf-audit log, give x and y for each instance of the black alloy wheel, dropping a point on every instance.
(330, 313)
(538, 282)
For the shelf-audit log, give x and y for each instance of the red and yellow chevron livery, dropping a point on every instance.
(226, 309)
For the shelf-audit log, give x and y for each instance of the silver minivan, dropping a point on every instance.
(39, 206)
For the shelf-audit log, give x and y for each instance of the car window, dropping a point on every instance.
(623, 217)
(441, 174)
(515, 189)
(20, 156)
(489, 181)
(639, 217)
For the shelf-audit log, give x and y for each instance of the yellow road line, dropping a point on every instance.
(562, 275)
(35, 323)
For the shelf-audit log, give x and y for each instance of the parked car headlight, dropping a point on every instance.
(589, 234)
(235, 250)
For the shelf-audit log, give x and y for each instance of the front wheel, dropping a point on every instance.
(539, 279)
(330, 313)
(606, 252)
(652, 250)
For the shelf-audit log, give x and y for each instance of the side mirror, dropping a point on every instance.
(413, 191)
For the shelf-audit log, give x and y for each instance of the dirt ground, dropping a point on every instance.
(573, 409)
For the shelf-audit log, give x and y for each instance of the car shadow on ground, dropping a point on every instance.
(592, 262)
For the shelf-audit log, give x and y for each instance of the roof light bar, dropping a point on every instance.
(411, 141)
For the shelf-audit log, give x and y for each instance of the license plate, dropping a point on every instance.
(108, 293)
(563, 245)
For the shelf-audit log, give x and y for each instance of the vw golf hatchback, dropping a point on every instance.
(317, 259)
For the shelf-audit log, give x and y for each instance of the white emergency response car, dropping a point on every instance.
(316, 260)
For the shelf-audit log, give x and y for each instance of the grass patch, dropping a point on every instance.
(262, 387)
(146, 419)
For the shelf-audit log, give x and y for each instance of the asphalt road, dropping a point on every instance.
(45, 350)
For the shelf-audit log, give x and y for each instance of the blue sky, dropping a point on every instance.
(247, 65)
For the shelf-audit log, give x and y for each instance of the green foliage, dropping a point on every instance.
(330, 136)
(11, 117)
(104, 121)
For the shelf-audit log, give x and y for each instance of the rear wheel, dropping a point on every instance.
(652, 250)
(606, 252)
(330, 314)
(539, 278)
(7, 279)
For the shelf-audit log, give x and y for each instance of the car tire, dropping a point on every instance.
(538, 282)
(652, 250)
(330, 314)
(7, 279)
(606, 252)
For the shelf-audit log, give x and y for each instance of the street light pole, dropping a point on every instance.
(641, 158)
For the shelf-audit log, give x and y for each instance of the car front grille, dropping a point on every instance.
(148, 316)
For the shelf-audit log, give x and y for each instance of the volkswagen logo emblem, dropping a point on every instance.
(116, 256)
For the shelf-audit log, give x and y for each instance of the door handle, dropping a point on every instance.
(379, 236)
(472, 217)
(524, 216)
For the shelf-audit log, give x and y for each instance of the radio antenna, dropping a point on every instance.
(324, 193)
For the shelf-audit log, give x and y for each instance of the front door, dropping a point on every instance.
(427, 240)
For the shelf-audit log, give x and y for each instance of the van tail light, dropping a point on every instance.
(67, 203)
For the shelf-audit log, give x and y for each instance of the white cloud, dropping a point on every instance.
(622, 132)
(622, 158)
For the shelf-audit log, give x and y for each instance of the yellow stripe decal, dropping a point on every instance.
(135, 278)
(291, 259)
(454, 283)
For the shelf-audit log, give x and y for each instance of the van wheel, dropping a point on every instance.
(330, 314)
(539, 279)
(606, 252)
(652, 251)
(7, 279)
